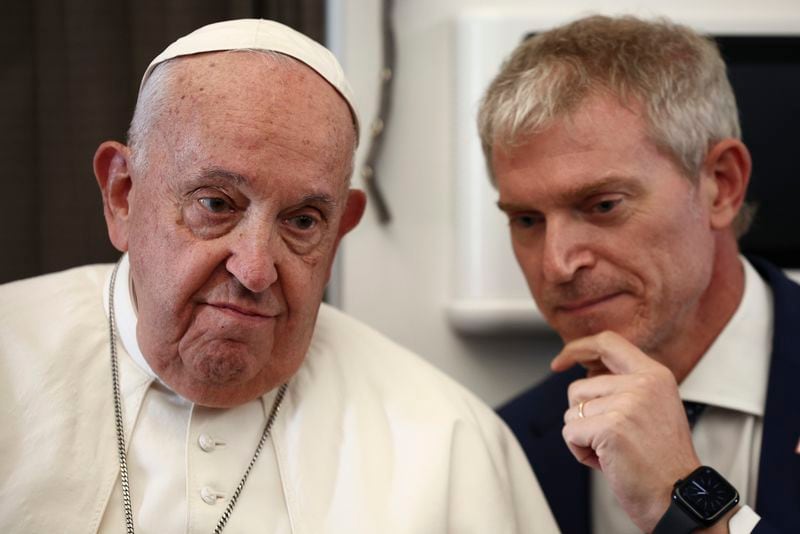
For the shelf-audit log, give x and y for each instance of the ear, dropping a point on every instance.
(112, 170)
(726, 171)
(354, 209)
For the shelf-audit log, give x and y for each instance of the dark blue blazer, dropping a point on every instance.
(536, 418)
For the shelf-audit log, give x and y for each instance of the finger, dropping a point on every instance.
(594, 407)
(593, 367)
(601, 349)
(575, 412)
(585, 455)
(608, 349)
(578, 436)
(585, 389)
(584, 351)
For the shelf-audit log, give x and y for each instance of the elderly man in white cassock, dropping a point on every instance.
(199, 385)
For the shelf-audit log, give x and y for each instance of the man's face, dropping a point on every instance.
(234, 217)
(608, 231)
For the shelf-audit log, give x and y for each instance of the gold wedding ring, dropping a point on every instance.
(580, 409)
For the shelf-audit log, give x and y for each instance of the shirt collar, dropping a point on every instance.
(134, 379)
(733, 372)
(125, 312)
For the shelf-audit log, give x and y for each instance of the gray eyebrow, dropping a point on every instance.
(219, 172)
(237, 179)
(317, 198)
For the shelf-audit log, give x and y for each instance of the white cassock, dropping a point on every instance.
(369, 438)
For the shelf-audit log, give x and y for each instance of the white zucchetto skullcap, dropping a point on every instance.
(260, 34)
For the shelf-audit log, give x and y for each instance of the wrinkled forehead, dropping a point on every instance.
(261, 81)
(250, 113)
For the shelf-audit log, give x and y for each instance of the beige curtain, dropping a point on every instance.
(70, 71)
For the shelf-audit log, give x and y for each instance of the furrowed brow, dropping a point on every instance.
(602, 185)
(580, 192)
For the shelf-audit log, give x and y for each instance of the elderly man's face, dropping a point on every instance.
(609, 233)
(234, 214)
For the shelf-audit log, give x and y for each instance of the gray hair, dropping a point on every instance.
(677, 76)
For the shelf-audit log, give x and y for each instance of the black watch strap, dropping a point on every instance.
(675, 521)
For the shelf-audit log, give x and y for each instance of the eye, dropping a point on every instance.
(524, 220)
(607, 205)
(215, 204)
(304, 229)
(302, 222)
(210, 212)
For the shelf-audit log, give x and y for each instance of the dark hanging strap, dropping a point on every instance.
(369, 170)
(693, 411)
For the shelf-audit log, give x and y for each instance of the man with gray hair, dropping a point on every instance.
(199, 385)
(614, 145)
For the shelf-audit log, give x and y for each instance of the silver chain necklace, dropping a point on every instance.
(123, 460)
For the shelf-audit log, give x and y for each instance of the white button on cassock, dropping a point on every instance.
(208, 495)
(206, 442)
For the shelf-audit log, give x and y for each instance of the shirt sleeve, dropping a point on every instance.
(743, 521)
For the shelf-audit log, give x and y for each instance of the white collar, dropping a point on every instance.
(734, 370)
(125, 314)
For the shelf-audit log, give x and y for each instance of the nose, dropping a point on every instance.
(567, 250)
(253, 258)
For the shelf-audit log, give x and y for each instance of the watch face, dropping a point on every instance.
(707, 494)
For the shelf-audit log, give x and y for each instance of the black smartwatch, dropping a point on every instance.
(698, 501)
